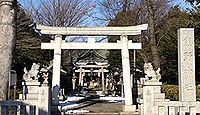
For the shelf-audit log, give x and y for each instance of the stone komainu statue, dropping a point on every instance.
(150, 73)
(36, 73)
(33, 73)
(43, 75)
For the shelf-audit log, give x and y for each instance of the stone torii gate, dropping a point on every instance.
(123, 44)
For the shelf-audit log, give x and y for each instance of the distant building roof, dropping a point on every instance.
(92, 57)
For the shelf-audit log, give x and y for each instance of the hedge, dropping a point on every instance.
(171, 92)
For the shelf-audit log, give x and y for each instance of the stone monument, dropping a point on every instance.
(186, 62)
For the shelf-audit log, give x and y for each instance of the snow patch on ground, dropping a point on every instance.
(67, 105)
(76, 111)
(74, 98)
(112, 98)
(71, 103)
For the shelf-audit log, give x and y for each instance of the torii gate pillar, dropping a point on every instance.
(126, 75)
(56, 70)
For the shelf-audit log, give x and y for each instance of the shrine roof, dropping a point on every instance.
(92, 57)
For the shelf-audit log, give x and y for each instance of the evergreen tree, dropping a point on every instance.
(28, 41)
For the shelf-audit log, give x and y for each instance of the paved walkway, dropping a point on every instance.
(104, 107)
(99, 107)
(95, 106)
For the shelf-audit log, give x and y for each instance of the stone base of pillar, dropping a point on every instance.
(55, 95)
(151, 93)
(44, 100)
(129, 108)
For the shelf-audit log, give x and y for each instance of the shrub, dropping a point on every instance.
(172, 93)
(198, 93)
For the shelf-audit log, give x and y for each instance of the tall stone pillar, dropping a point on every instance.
(186, 65)
(103, 80)
(56, 70)
(7, 41)
(126, 74)
(80, 76)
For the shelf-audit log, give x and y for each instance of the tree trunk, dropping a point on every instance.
(7, 40)
(151, 32)
(142, 52)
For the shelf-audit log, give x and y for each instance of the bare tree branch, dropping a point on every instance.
(60, 12)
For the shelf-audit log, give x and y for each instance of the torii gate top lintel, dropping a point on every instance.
(92, 31)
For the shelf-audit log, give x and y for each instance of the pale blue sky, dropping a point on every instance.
(182, 3)
(179, 2)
